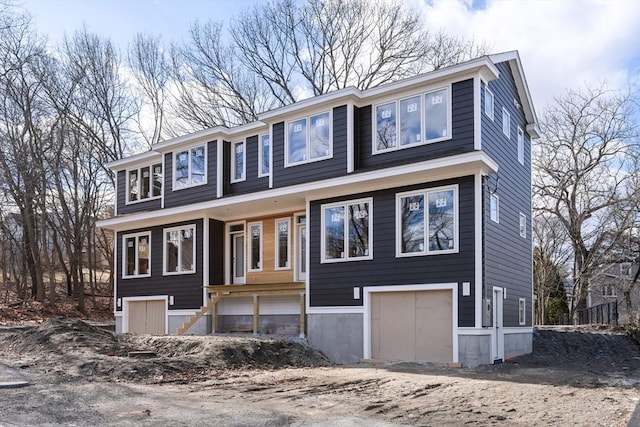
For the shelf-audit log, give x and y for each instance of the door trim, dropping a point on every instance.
(366, 321)
(125, 309)
(228, 264)
(497, 325)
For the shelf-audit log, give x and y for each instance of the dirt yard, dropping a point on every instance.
(86, 375)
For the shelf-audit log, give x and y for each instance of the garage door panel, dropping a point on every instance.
(137, 316)
(155, 317)
(147, 317)
(394, 338)
(434, 328)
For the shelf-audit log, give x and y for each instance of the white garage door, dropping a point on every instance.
(147, 317)
(412, 325)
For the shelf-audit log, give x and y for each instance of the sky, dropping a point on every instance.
(563, 44)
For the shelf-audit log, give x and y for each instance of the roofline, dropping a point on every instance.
(141, 157)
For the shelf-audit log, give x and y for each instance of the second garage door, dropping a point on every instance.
(412, 325)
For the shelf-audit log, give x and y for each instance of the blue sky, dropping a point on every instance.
(562, 44)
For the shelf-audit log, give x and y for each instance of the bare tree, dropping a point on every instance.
(585, 176)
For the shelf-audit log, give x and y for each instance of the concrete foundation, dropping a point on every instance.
(339, 336)
(284, 324)
(201, 327)
(118, 324)
(517, 344)
(474, 350)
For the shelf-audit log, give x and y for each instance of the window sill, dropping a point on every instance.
(178, 273)
(417, 254)
(136, 202)
(304, 162)
(184, 187)
(406, 146)
(137, 276)
(339, 260)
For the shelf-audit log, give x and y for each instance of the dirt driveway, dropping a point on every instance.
(82, 375)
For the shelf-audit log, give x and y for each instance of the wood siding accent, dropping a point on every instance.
(185, 196)
(332, 284)
(252, 182)
(269, 274)
(461, 132)
(121, 198)
(502, 241)
(311, 171)
(185, 288)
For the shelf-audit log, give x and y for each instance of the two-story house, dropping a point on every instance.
(389, 223)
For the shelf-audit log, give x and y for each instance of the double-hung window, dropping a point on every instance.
(180, 250)
(427, 222)
(347, 231)
(255, 246)
(136, 259)
(488, 102)
(238, 160)
(144, 183)
(418, 119)
(506, 123)
(264, 155)
(190, 167)
(520, 145)
(309, 139)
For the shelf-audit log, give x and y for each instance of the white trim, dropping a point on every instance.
(425, 192)
(497, 329)
(296, 248)
(115, 273)
(468, 331)
(125, 309)
(228, 268)
(276, 239)
(131, 161)
(250, 247)
(350, 139)
(520, 142)
(205, 166)
(522, 225)
(512, 330)
(179, 228)
(272, 163)
(345, 204)
(261, 174)
(308, 148)
(478, 236)
(243, 175)
(333, 310)
(137, 245)
(205, 258)
(493, 196)
(493, 102)
(366, 321)
(115, 187)
(219, 168)
(506, 119)
(477, 114)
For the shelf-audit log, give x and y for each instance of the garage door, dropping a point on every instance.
(147, 317)
(412, 325)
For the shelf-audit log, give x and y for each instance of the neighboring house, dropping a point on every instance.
(613, 284)
(390, 223)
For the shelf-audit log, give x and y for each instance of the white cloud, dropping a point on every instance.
(562, 44)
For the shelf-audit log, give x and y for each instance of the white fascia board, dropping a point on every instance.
(317, 102)
(295, 196)
(207, 135)
(137, 159)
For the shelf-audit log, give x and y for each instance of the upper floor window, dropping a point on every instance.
(283, 247)
(427, 222)
(144, 183)
(238, 161)
(520, 145)
(190, 167)
(180, 250)
(136, 255)
(506, 123)
(264, 155)
(609, 291)
(255, 246)
(414, 120)
(523, 225)
(488, 102)
(494, 207)
(347, 231)
(309, 139)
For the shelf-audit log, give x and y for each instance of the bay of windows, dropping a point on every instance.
(415, 120)
(427, 222)
(309, 139)
(180, 250)
(136, 255)
(144, 183)
(190, 167)
(346, 231)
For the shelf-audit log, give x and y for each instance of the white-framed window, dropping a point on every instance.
(238, 160)
(309, 139)
(488, 102)
(427, 221)
(283, 244)
(522, 312)
(506, 123)
(144, 183)
(523, 225)
(136, 255)
(494, 207)
(190, 167)
(347, 231)
(255, 246)
(180, 250)
(418, 119)
(264, 155)
(520, 145)
(609, 291)
(625, 269)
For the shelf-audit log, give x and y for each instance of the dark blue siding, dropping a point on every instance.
(185, 288)
(195, 194)
(502, 240)
(312, 171)
(216, 252)
(332, 284)
(123, 207)
(252, 182)
(461, 132)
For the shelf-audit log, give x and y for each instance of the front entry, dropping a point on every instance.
(237, 258)
(497, 349)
